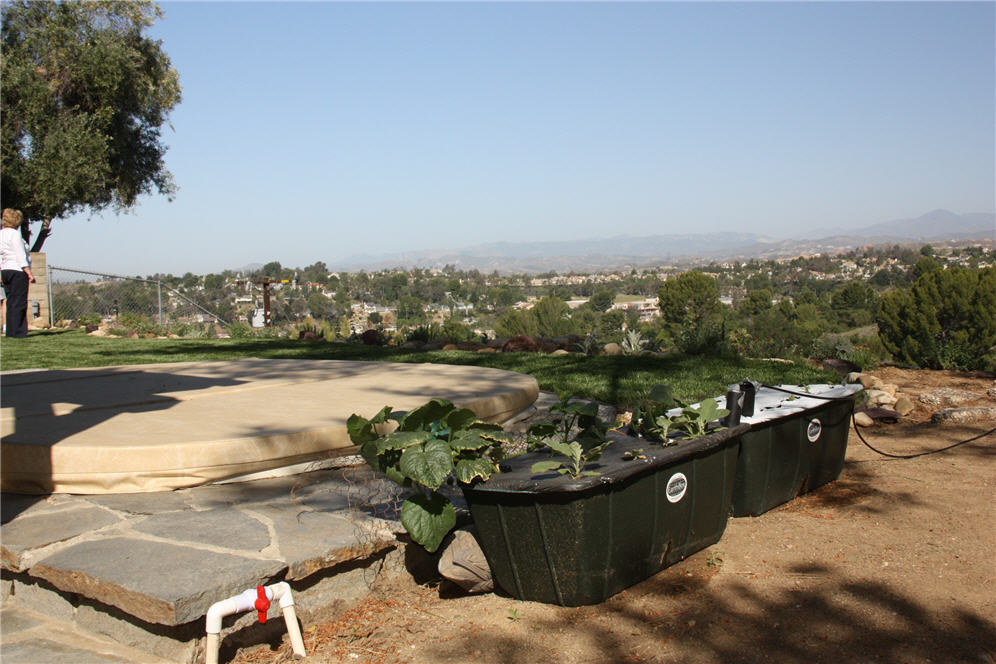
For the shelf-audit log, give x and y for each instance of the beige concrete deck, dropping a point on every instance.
(168, 426)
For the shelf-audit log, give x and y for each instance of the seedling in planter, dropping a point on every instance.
(559, 436)
(693, 421)
(630, 455)
(433, 443)
(577, 458)
(650, 419)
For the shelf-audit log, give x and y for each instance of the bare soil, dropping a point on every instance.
(894, 562)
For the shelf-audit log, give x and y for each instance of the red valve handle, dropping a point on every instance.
(262, 604)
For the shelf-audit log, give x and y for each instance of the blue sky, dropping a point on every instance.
(319, 130)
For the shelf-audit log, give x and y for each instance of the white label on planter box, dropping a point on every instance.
(676, 487)
(814, 430)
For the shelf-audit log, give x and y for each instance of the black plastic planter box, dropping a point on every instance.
(554, 539)
(793, 446)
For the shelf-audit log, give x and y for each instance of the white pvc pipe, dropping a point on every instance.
(246, 601)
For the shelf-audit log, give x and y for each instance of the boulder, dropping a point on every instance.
(965, 415)
(863, 419)
(878, 397)
(868, 380)
(560, 351)
(463, 563)
(450, 347)
(487, 349)
(612, 349)
(948, 397)
(882, 414)
(843, 367)
(904, 405)
(470, 345)
(412, 345)
(520, 343)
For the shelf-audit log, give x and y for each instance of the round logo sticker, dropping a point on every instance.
(676, 487)
(814, 430)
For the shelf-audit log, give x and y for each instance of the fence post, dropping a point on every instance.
(159, 290)
(51, 301)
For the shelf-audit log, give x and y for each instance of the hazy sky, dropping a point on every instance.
(319, 130)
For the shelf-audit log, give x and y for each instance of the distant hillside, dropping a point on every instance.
(627, 252)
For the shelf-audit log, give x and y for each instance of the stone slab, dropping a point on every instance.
(218, 527)
(40, 529)
(140, 577)
(167, 426)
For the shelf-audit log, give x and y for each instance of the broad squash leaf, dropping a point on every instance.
(467, 469)
(400, 440)
(428, 518)
(544, 466)
(428, 464)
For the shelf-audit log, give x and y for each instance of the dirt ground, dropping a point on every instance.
(894, 562)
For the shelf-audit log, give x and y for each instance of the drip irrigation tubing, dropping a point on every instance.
(857, 430)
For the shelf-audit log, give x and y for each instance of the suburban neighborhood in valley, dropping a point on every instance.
(808, 299)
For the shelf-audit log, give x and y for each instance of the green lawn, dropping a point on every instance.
(620, 380)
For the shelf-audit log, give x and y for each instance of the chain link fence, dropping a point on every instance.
(79, 297)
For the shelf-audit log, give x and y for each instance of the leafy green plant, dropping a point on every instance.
(577, 433)
(694, 421)
(589, 345)
(432, 443)
(570, 416)
(577, 458)
(650, 419)
(633, 343)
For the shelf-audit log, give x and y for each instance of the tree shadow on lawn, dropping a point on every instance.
(684, 617)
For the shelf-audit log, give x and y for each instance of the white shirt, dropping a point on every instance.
(13, 250)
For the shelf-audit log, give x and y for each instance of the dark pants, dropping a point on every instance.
(15, 282)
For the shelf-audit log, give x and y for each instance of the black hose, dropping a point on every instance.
(857, 430)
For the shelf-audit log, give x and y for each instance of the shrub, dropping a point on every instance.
(138, 323)
(947, 320)
(240, 330)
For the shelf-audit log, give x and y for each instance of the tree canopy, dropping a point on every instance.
(85, 95)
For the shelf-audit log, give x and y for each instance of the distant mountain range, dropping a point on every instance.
(627, 252)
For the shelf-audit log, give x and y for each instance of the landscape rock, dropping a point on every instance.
(904, 405)
(612, 349)
(882, 414)
(877, 397)
(463, 563)
(470, 345)
(560, 351)
(991, 393)
(372, 338)
(862, 419)
(948, 397)
(965, 415)
(868, 380)
(854, 377)
(888, 388)
(843, 367)
(488, 349)
(449, 347)
(412, 345)
(520, 343)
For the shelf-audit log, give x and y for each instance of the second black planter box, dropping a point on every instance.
(551, 538)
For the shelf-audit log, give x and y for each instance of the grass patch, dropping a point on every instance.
(621, 379)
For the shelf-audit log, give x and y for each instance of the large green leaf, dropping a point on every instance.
(428, 518)
(467, 469)
(544, 466)
(460, 419)
(428, 464)
(570, 450)
(400, 440)
(471, 440)
(662, 394)
(710, 411)
(423, 416)
(360, 429)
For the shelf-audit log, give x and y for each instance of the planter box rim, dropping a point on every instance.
(516, 476)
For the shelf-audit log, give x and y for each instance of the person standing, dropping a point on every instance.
(15, 268)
